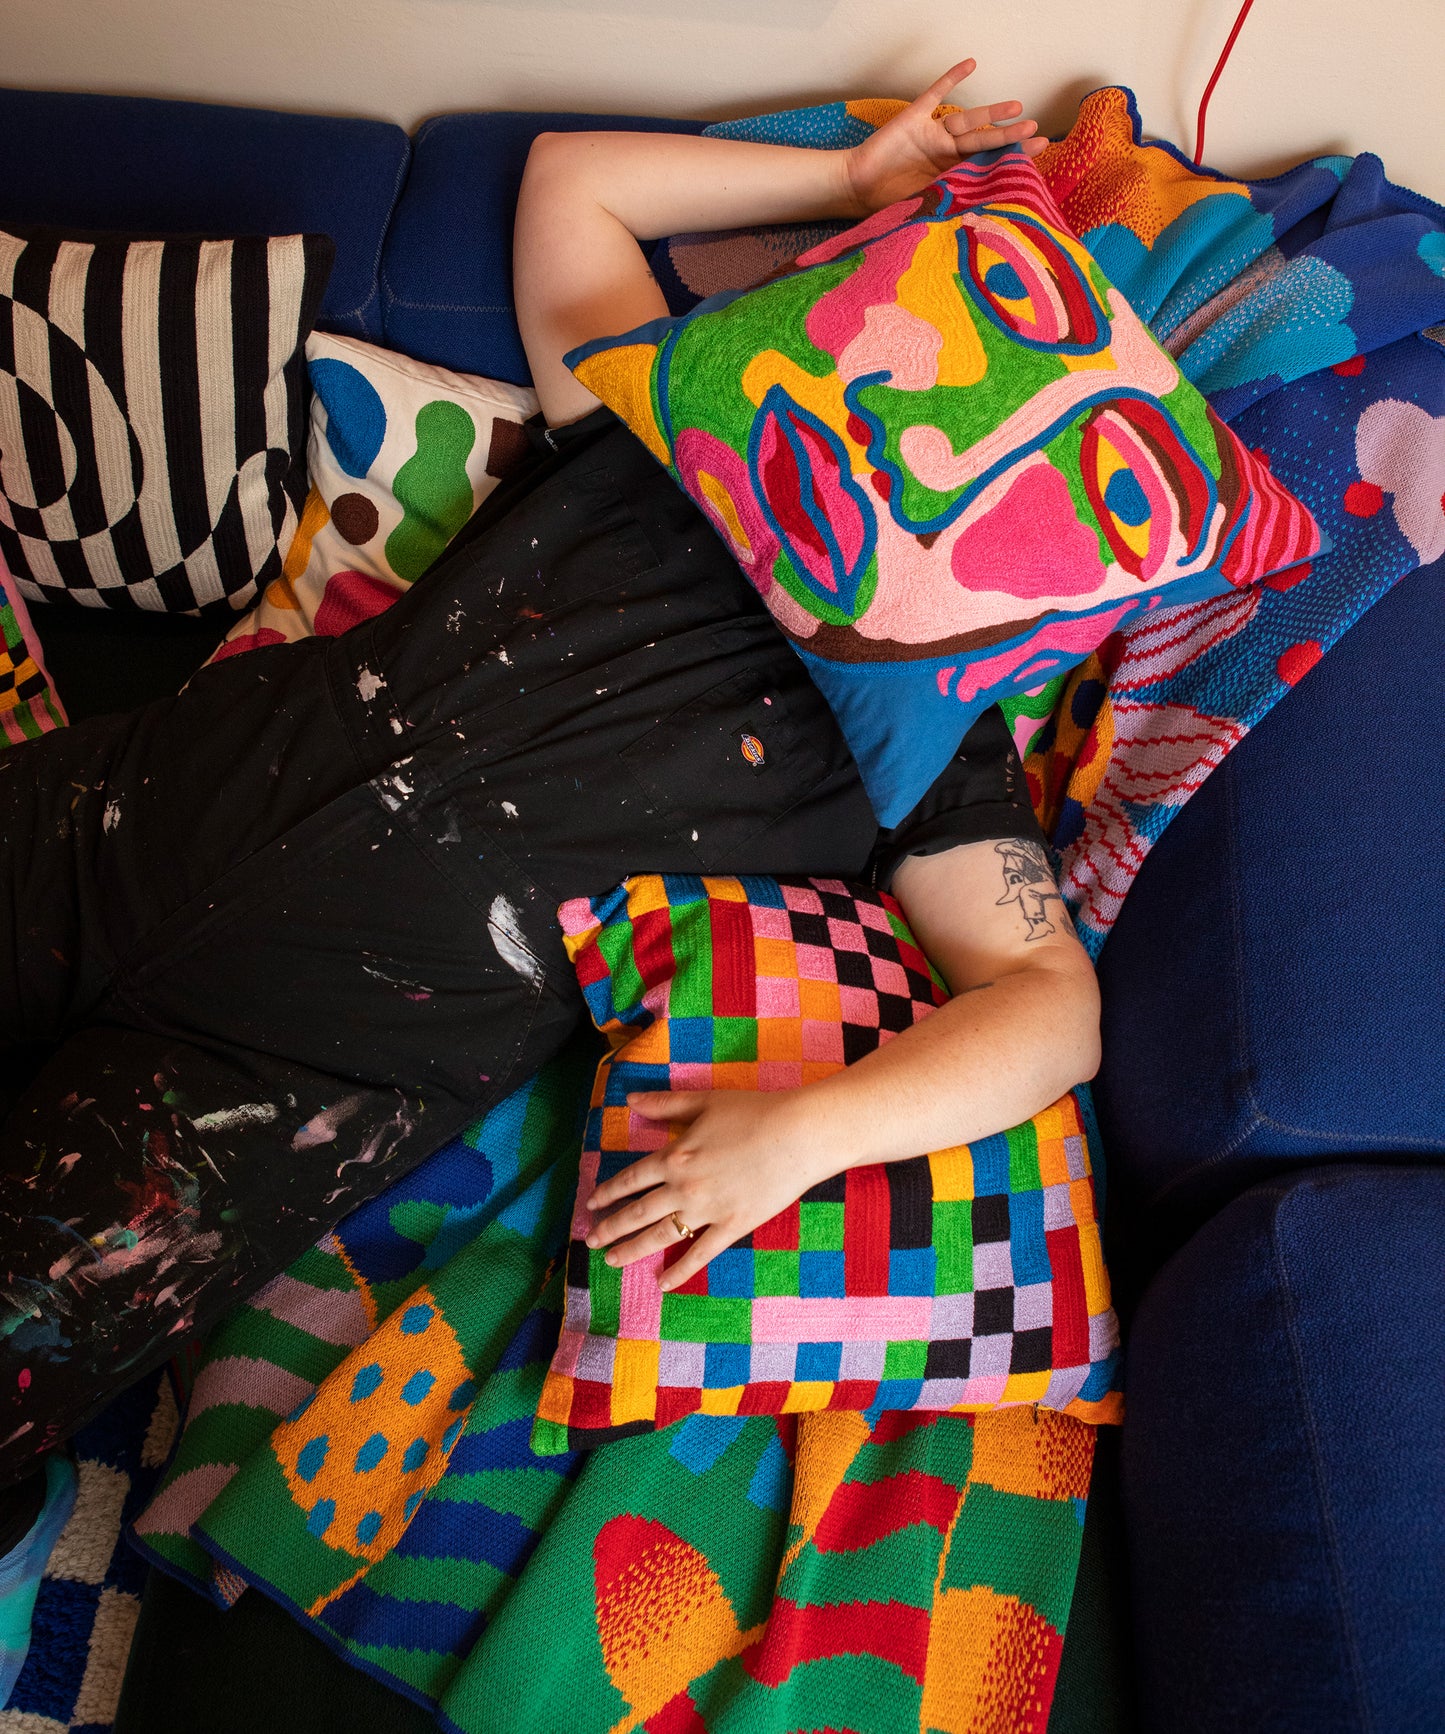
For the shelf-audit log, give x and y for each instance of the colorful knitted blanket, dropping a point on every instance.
(89, 1601)
(725, 1574)
(1297, 306)
(768, 1575)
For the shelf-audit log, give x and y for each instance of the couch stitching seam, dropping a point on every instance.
(1316, 1466)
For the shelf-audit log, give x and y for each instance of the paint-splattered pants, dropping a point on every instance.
(267, 1001)
(294, 929)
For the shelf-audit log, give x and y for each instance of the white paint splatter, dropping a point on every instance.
(502, 657)
(322, 1128)
(393, 789)
(368, 685)
(111, 817)
(694, 836)
(505, 927)
(244, 1114)
(400, 1125)
(422, 991)
(396, 725)
(509, 809)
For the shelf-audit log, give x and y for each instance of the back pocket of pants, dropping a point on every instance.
(721, 768)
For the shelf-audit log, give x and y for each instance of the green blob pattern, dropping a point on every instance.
(432, 488)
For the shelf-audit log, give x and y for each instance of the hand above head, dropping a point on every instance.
(918, 144)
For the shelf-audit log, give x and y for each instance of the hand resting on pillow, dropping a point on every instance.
(1021, 1029)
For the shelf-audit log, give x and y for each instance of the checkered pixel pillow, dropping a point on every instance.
(967, 1279)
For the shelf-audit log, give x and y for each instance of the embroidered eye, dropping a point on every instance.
(1153, 498)
(1027, 282)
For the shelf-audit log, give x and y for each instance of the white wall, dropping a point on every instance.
(1308, 75)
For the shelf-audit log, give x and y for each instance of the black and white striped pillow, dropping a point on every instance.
(153, 415)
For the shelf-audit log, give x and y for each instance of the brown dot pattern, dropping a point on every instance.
(355, 518)
(508, 449)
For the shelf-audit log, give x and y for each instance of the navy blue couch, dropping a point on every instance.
(1273, 1089)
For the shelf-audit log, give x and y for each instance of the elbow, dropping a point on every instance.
(1076, 1035)
(1086, 1043)
(559, 153)
(1090, 1055)
(547, 158)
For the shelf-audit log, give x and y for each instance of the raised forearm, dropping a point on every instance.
(657, 184)
(587, 200)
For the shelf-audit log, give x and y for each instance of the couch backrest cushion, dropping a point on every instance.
(446, 273)
(165, 168)
(1272, 988)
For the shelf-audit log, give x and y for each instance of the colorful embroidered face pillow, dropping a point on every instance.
(401, 454)
(970, 1278)
(951, 459)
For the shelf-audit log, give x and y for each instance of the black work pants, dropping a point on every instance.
(265, 1000)
(286, 934)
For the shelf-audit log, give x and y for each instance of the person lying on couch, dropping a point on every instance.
(289, 932)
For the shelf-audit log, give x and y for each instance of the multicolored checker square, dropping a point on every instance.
(28, 704)
(966, 1279)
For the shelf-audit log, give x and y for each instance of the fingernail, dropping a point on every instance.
(591, 1240)
(612, 1258)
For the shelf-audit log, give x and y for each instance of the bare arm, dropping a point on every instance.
(588, 198)
(1021, 1030)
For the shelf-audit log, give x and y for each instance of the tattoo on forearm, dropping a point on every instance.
(1029, 883)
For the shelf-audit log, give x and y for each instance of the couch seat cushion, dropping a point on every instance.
(1283, 1455)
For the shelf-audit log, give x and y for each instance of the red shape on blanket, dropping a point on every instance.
(1363, 499)
(349, 598)
(1287, 579)
(796, 1635)
(1296, 662)
(679, 1715)
(249, 641)
(1349, 369)
(860, 1513)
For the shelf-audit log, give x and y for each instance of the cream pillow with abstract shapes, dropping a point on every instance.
(401, 454)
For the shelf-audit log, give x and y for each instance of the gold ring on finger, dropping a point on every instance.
(683, 1231)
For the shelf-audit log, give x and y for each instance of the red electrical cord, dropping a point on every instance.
(1214, 79)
